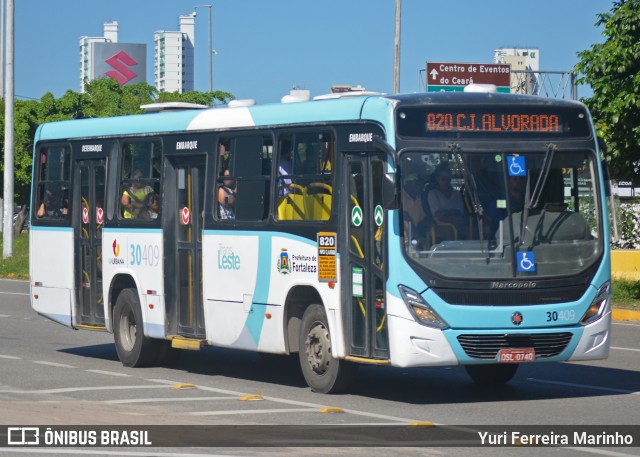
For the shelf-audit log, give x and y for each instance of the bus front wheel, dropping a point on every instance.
(323, 373)
(492, 374)
(133, 348)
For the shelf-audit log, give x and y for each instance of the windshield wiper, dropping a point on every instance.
(544, 174)
(531, 201)
(470, 184)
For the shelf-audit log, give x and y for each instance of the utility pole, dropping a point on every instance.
(396, 50)
(7, 234)
(1, 48)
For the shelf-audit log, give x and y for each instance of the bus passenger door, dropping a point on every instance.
(183, 205)
(88, 214)
(364, 266)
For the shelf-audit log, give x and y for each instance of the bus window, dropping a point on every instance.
(304, 185)
(140, 183)
(53, 183)
(244, 178)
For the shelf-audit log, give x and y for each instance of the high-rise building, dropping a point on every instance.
(174, 62)
(525, 62)
(86, 54)
(105, 57)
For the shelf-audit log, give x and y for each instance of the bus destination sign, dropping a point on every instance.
(497, 120)
(452, 77)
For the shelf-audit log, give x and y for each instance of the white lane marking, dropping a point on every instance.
(53, 364)
(585, 386)
(625, 349)
(251, 411)
(79, 389)
(4, 315)
(10, 357)
(110, 373)
(175, 399)
(312, 406)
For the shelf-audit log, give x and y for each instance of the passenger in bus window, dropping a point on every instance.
(415, 219)
(446, 203)
(53, 204)
(154, 206)
(223, 155)
(135, 199)
(285, 166)
(227, 198)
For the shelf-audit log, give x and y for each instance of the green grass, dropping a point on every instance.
(626, 294)
(16, 266)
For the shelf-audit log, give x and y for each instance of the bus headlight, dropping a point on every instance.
(598, 305)
(420, 309)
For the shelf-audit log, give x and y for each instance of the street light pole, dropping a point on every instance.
(2, 9)
(7, 235)
(210, 46)
(396, 49)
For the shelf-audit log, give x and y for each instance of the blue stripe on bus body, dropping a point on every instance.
(259, 302)
(255, 319)
(39, 228)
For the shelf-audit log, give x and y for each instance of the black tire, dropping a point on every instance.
(323, 373)
(133, 348)
(492, 374)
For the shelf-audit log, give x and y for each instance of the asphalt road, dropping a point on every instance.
(50, 375)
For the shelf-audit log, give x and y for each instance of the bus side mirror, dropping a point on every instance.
(390, 198)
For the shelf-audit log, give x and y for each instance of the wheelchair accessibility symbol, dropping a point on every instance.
(526, 262)
(517, 166)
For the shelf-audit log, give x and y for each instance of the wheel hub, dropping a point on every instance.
(318, 349)
(128, 329)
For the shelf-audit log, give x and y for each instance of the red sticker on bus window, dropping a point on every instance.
(99, 215)
(185, 216)
(85, 215)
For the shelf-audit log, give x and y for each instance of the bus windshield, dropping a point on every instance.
(502, 214)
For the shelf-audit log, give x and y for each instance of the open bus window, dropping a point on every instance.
(140, 184)
(243, 181)
(305, 172)
(53, 183)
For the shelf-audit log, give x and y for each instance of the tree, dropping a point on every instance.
(612, 69)
(102, 98)
(105, 98)
(201, 98)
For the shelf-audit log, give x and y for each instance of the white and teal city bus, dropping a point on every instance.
(315, 228)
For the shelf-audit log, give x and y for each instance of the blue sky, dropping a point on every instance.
(265, 47)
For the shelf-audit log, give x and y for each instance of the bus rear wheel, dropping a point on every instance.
(133, 348)
(492, 374)
(323, 373)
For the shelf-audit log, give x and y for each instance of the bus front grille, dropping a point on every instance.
(487, 346)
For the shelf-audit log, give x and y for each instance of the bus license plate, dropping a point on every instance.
(517, 355)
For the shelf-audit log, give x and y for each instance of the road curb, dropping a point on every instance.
(625, 315)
